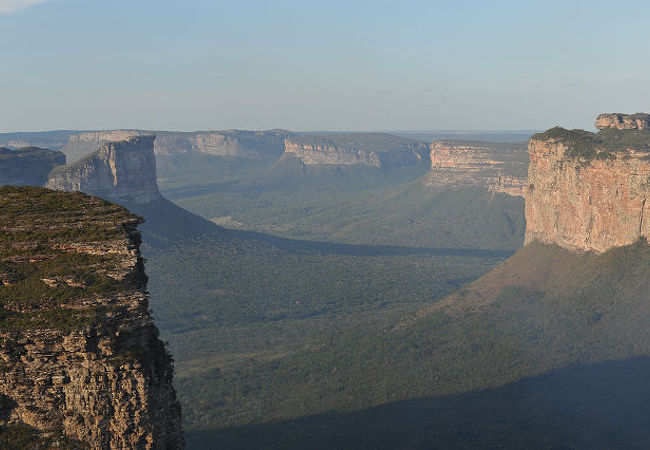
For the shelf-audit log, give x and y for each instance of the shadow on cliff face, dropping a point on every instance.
(603, 405)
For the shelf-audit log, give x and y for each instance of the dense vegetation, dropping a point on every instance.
(359, 205)
(452, 372)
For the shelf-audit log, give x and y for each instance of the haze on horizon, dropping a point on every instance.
(363, 65)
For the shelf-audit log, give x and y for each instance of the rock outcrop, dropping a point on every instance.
(497, 167)
(367, 149)
(123, 171)
(588, 192)
(638, 121)
(80, 357)
(30, 165)
(235, 143)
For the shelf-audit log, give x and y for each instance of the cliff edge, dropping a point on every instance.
(80, 357)
(588, 191)
(124, 171)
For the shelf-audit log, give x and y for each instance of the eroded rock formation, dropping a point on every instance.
(498, 167)
(80, 357)
(124, 171)
(588, 192)
(30, 165)
(638, 121)
(367, 149)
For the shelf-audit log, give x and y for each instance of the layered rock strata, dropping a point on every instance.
(80, 357)
(30, 165)
(588, 192)
(124, 171)
(638, 121)
(234, 143)
(367, 149)
(497, 167)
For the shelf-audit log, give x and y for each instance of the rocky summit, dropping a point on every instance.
(589, 191)
(81, 364)
(123, 171)
(638, 121)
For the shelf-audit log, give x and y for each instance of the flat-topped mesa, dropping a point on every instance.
(123, 171)
(588, 192)
(497, 167)
(638, 121)
(346, 149)
(28, 166)
(80, 357)
(231, 143)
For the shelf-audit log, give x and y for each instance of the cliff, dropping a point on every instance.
(638, 121)
(236, 143)
(124, 171)
(80, 358)
(588, 192)
(497, 167)
(368, 149)
(30, 165)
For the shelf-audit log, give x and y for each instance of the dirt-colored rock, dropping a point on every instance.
(81, 360)
(638, 121)
(585, 195)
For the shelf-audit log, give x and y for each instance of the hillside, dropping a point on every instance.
(472, 367)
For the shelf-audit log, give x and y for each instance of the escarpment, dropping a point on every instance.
(124, 171)
(80, 357)
(234, 143)
(367, 149)
(589, 192)
(29, 165)
(497, 167)
(638, 121)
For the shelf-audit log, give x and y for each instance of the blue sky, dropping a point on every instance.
(320, 65)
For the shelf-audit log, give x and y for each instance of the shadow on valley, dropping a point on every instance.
(166, 222)
(602, 405)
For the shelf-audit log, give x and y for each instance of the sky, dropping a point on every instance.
(320, 65)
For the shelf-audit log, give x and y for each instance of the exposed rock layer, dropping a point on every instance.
(79, 353)
(368, 149)
(123, 171)
(638, 121)
(498, 167)
(237, 143)
(584, 195)
(28, 165)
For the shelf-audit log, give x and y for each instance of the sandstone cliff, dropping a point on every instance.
(368, 149)
(638, 121)
(29, 165)
(80, 356)
(236, 143)
(497, 167)
(588, 192)
(124, 171)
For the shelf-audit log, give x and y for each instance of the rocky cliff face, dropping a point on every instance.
(236, 143)
(124, 171)
(29, 165)
(639, 121)
(588, 192)
(80, 357)
(368, 149)
(498, 167)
